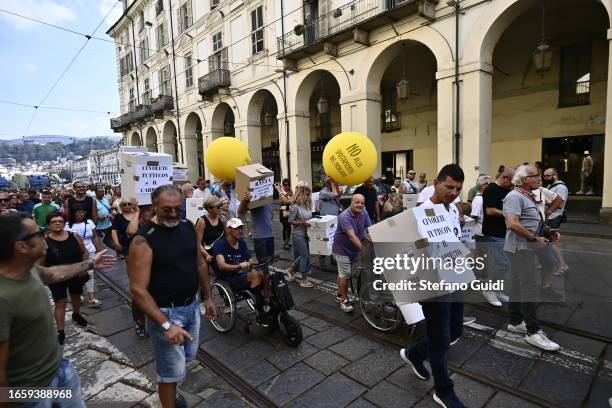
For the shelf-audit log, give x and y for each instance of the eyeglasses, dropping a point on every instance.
(168, 210)
(412, 174)
(39, 233)
(126, 205)
(4, 200)
(57, 222)
(532, 175)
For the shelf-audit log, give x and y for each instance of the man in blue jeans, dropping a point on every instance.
(494, 231)
(443, 314)
(166, 273)
(261, 228)
(30, 355)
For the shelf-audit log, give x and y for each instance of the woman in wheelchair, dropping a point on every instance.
(233, 266)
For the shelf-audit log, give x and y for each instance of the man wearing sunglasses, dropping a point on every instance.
(29, 352)
(4, 203)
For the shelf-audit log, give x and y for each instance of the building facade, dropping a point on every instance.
(105, 166)
(481, 83)
(81, 170)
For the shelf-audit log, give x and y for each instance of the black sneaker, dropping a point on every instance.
(180, 401)
(418, 368)
(448, 401)
(79, 319)
(61, 337)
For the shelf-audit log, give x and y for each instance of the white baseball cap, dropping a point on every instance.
(234, 223)
(586, 152)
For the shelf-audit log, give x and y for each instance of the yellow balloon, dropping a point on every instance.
(349, 158)
(224, 155)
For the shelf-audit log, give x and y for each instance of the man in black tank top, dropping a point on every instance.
(166, 272)
(80, 197)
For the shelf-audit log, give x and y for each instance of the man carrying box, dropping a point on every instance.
(443, 314)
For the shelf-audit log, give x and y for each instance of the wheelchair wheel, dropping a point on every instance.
(223, 297)
(379, 309)
(290, 329)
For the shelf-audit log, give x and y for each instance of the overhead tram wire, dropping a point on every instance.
(60, 108)
(88, 37)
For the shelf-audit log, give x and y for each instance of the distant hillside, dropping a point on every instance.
(31, 152)
(42, 139)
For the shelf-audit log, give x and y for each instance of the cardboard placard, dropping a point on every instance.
(180, 174)
(258, 180)
(142, 173)
(409, 200)
(195, 209)
(469, 229)
(321, 234)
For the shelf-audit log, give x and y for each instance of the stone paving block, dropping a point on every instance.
(565, 387)
(315, 323)
(464, 349)
(593, 318)
(126, 339)
(298, 315)
(289, 384)
(328, 337)
(404, 378)
(499, 365)
(326, 361)
(332, 311)
(111, 326)
(259, 373)
(556, 313)
(307, 331)
(79, 342)
(361, 403)
(336, 391)
(207, 331)
(142, 380)
(427, 402)
(505, 400)
(224, 399)
(101, 376)
(117, 395)
(289, 356)
(488, 318)
(140, 354)
(584, 345)
(374, 367)
(201, 378)
(388, 395)
(471, 393)
(109, 303)
(86, 359)
(354, 347)
(246, 355)
(224, 343)
(600, 391)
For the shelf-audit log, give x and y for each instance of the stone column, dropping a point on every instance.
(250, 134)
(475, 125)
(446, 119)
(606, 202)
(190, 155)
(299, 147)
(362, 113)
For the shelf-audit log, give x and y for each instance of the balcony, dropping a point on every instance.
(161, 104)
(211, 82)
(121, 123)
(391, 122)
(141, 113)
(574, 94)
(337, 26)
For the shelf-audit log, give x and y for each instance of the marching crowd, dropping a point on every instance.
(58, 237)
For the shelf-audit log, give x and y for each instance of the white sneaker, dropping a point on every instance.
(452, 343)
(540, 340)
(346, 307)
(502, 297)
(491, 297)
(518, 329)
(468, 320)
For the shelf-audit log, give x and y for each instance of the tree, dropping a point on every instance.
(66, 174)
(19, 180)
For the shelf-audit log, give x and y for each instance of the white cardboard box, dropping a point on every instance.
(257, 179)
(321, 234)
(195, 209)
(142, 173)
(469, 229)
(409, 200)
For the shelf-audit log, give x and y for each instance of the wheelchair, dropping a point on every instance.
(227, 302)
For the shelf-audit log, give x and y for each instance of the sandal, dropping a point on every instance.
(140, 331)
(95, 303)
(306, 283)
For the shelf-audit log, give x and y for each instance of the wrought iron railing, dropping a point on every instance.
(162, 103)
(213, 80)
(391, 121)
(575, 94)
(338, 20)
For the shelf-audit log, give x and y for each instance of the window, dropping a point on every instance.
(391, 118)
(165, 87)
(214, 4)
(184, 16)
(257, 30)
(143, 49)
(188, 71)
(141, 21)
(162, 38)
(217, 40)
(159, 7)
(132, 105)
(575, 86)
(125, 39)
(126, 64)
(146, 96)
(218, 60)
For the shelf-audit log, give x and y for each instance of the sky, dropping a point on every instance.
(33, 56)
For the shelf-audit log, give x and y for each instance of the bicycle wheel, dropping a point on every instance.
(223, 297)
(379, 309)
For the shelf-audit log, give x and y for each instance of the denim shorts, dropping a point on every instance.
(546, 258)
(170, 359)
(65, 378)
(345, 266)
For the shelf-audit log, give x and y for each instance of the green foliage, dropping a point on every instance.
(19, 180)
(51, 151)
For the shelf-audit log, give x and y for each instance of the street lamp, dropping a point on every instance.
(268, 119)
(403, 85)
(543, 53)
(322, 104)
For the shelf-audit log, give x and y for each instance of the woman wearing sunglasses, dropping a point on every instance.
(65, 248)
(210, 227)
(298, 217)
(127, 211)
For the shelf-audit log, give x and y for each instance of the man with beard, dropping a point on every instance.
(166, 272)
(80, 197)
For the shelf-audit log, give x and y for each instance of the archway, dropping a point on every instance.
(151, 139)
(319, 95)
(135, 140)
(222, 122)
(194, 146)
(263, 130)
(404, 75)
(545, 113)
(170, 142)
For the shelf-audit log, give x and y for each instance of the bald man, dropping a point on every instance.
(352, 228)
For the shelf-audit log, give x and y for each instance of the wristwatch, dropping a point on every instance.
(533, 239)
(165, 326)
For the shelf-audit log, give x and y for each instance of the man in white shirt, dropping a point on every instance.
(428, 192)
(477, 210)
(444, 314)
(202, 191)
(412, 186)
(555, 216)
